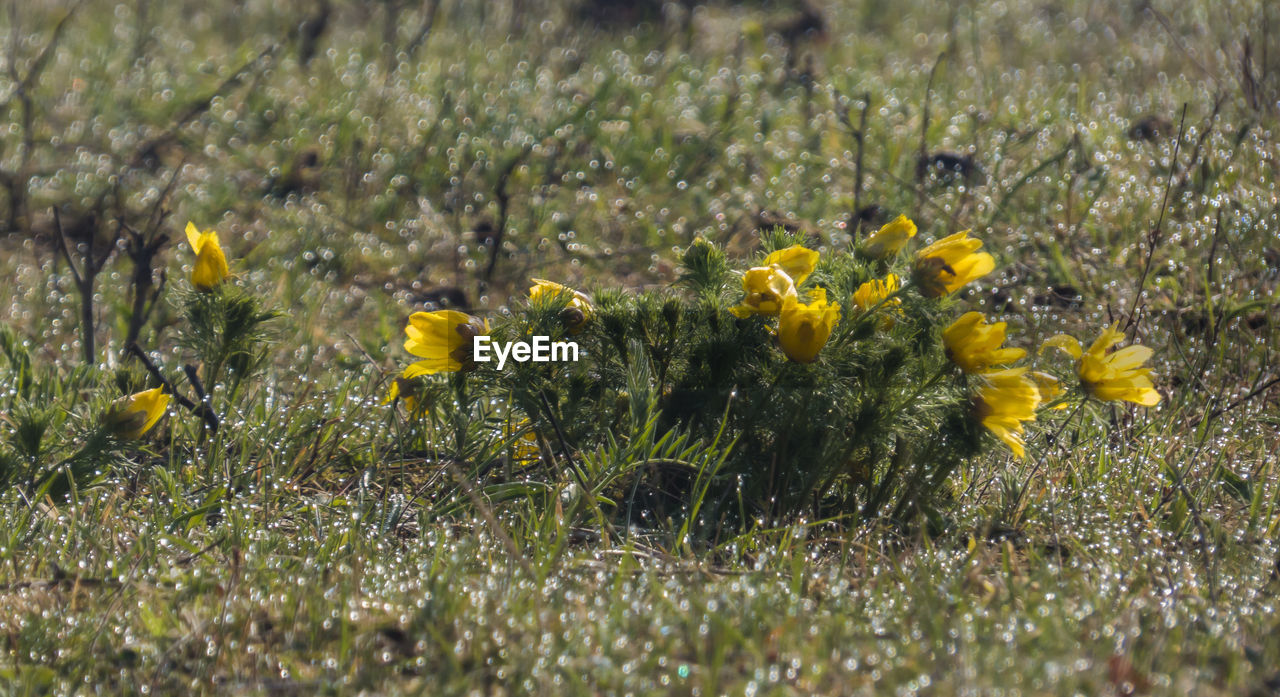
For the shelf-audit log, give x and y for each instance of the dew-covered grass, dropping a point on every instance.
(1132, 552)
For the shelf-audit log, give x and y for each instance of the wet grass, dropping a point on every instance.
(1131, 552)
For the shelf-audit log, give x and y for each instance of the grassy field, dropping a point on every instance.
(362, 161)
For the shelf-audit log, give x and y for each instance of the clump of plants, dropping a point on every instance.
(838, 386)
(799, 385)
(61, 433)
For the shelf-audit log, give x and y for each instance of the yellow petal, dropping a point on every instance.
(1069, 344)
(971, 268)
(1129, 358)
(435, 334)
(796, 261)
(444, 339)
(134, 415)
(431, 366)
(1134, 387)
(1007, 435)
(956, 245)
(950, 263)
(959, 329)
(194, 237)
(766, 288)
(542, 287)
(211, 265)
(889, 239)
(869, 294)
(1006, 399)
(1050, 387)
(804, 329)
(576, 300)
(974, 345)
(1109, 337)
(392, 392)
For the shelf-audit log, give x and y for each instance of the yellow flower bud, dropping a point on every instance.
(133, 415)
(804, 329)
(886, 241)
(576, 314)
(211, 265)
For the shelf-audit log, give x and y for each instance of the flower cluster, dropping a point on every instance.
(841, 377)
(818, 382)
(1004, 400)
(1008, 397)
(772, 290)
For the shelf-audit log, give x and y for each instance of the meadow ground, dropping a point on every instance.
(362, 159)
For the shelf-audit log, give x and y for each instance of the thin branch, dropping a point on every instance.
(424, 32)
(1157, 233)
(1259, 390)
(194, 378)
(42, 60)
(857, 163)
(367, 356)
(137, 352)
(91, 266)
(504, 200)
(16, 182)
(142, 248)
(197, 108)
(201, 410)
(1177, 41)
(921, 168)
(66, 251)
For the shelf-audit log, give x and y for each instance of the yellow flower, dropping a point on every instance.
(804, 329)
(1050, 387)
(886, 241)
(132, 416)
(443, 338)
(211, 265)
(946, 265)
(871, 293)
(974, 345)
(1005, 400)
(406, 390)
(576, 314)
(768, 286)
(1111, 377)
(524, 449)
(795, 260)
